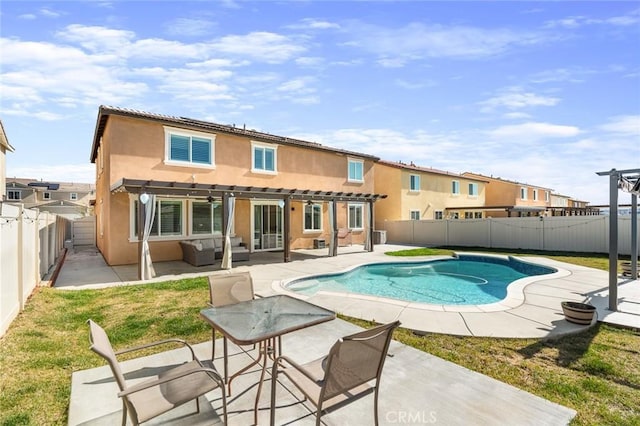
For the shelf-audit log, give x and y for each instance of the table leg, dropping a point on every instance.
(261, 354)
(270, 349)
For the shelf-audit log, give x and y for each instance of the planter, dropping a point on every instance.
(578, 313)
(626, 268)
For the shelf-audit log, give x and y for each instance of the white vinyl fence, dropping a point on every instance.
(586, 234)
(30, 243)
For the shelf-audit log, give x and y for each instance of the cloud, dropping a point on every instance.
(189, 27)
(573, 22)
(419, 41)
(79, 173)
(533, 130)
(516, 99)
(314, 24)
(626, 125)
(261, 46)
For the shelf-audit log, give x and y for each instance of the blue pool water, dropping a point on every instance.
(465, 280)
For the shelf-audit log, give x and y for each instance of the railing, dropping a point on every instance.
(30, 243)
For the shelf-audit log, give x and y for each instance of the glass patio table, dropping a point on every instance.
(263, 321)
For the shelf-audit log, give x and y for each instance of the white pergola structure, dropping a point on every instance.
(628, 181)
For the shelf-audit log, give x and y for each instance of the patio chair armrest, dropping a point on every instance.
(158, 343)
(170, 377)
(295, 365)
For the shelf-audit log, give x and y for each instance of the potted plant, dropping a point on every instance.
(578, 313)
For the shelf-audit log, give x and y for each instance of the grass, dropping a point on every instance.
(597, 372)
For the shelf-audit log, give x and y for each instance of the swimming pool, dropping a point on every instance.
(463, 280)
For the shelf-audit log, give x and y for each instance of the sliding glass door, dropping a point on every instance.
(268, 225)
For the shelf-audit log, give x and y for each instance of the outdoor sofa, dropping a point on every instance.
(207, 250)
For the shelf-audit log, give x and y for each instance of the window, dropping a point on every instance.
(46, 195)
(455, 187)
(468, 215)
(414, 184)
(167, 221)
(313, 217)
(477, 215)
(455, 215)
(192, 148)
(415, 214)
(356, 171)
(73, 196)
(473, 189)
(535, 195)
(206, 218)
(438, 215)
(546, 196)
(523, 193)
(355, 216)
(13, 194)
(264, 158)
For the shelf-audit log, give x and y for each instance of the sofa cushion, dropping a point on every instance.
(207, 243)
(235, 241)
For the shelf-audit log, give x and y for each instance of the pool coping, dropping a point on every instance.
(515, 291)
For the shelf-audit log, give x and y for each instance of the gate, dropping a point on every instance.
(84, 231)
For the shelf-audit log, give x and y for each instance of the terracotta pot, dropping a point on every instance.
(578, 313)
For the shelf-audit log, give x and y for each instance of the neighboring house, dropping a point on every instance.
(423, 193)
(505, 198)
(5, 147)
(288, 193)
(70, 200)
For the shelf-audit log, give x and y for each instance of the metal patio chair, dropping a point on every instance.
(343, 375)
(171, 388)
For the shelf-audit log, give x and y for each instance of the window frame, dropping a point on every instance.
(360, 217)
(17, 194)
(133, 235)
(455, 187)
(264, 146)
(73, 196)
(191, 230)
(523, 193)
(438, 215)
(169, 131)
(412, 180)
(359, 162)
(412, 212)
(46, 195)
(304, 218)
(535, 195)
(475, 191)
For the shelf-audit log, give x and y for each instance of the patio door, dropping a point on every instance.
(268, 226)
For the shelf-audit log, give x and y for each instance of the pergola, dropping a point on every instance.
(227, 192)
(628, 181)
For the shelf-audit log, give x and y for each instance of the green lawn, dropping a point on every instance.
(596, 372)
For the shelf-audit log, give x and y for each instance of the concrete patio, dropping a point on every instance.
(416, 388)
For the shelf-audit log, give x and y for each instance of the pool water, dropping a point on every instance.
(466, 280)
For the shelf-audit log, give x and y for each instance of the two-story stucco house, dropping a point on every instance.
(69, 199)
(505, 198)
(424, 193)
(5, 147)
(286, 193)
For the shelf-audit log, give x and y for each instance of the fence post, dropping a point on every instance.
(21, 223)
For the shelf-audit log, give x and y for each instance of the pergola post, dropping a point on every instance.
(634, 236)
(613, 241)
(141, 222)
(287, 227)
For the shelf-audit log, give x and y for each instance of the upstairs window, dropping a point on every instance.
(13, 194)
(264, 158)
(73, 196)
(546, 196)
(414, 183)
(535, 195)
(415, 214)
(473, 189)
(355, 172)
(438, 215)
(191, 148)
(455, 187)
(313, 217)
(46, 195)
(523, 193)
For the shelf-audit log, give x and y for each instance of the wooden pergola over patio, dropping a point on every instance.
(224, 192)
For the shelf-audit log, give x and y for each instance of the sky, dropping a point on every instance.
(545, 93)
